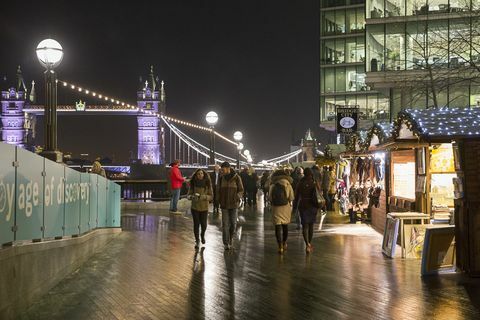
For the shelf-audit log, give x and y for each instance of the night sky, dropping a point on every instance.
(256, 62)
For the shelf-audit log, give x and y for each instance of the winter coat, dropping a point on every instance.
(176, 178)
(200, 203)
(251, 182)
(282, 214)
(304, 195)
(230, 191)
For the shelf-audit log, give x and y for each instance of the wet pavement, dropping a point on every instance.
(151, 271)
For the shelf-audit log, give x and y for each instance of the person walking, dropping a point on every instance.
(281, 196)
(244, 176)
(297, 175)
(229, 195)
(215, 178)
(264, 186)
(201, 193)
(176, 182)
(251, 187)
(306, 202)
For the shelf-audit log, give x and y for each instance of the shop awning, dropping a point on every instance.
(437, 124)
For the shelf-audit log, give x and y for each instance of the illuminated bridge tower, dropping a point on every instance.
(151, 140)
(16, 125)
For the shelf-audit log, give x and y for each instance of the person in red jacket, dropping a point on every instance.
(176, 181)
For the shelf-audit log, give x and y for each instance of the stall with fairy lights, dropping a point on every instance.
(446, 144)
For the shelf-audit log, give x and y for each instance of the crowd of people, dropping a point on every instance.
(288, 193)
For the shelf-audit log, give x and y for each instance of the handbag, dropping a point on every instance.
(318, 197)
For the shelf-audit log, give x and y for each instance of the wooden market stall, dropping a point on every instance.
(444, 158)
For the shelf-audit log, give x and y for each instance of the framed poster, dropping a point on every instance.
(414, 235)
(439, 250)
(390, 237)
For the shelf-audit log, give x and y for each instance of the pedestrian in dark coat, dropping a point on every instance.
(307, 205)
(229, 195)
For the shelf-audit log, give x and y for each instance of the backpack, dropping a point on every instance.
(279, 195)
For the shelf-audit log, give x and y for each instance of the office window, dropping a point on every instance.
(438, 44)
(360, 27)
(361, 85)
(375, 9)
(329, 25)
(459, 95)
(416, 7)
(475, 38)
(328, 52)
(375, 48)
(339, 51)
(459, 43)
(395, 47)
(329, 79)
(330, 108)
(362, 103)
(340, 21)
(416, 41)
(438, 6)
(340, 80)
(441, 95)
(351, 78)
(475, 96)
(394, 8)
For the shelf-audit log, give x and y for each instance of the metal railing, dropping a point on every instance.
(147, 190)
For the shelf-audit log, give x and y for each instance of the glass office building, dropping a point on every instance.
(343, 62)
(424, 53)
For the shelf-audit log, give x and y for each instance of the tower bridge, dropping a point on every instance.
(160, 137)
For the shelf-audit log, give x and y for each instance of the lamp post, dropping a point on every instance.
(212, 119)
(239, 149)
(238, 136)
(50, 54)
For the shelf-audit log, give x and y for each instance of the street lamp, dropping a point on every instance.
(212, 119)
(239, 150)
(50, 54)
(237, 136)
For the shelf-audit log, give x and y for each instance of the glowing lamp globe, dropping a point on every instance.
(246, 152)
(240, 146)
(237, 136)
(212, 118)
(49, 53)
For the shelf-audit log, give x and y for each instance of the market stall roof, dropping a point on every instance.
(358, 141)
(437, 124)
(380, 133)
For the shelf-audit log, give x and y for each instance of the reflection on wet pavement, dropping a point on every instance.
(152, 271)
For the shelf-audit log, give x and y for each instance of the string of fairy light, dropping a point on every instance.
(109, 99)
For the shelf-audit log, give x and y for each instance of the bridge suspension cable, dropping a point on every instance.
(198, 147)
(285, 157)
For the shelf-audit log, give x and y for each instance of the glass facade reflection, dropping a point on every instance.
(377, 9)
(427, 59)
(343, 59)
